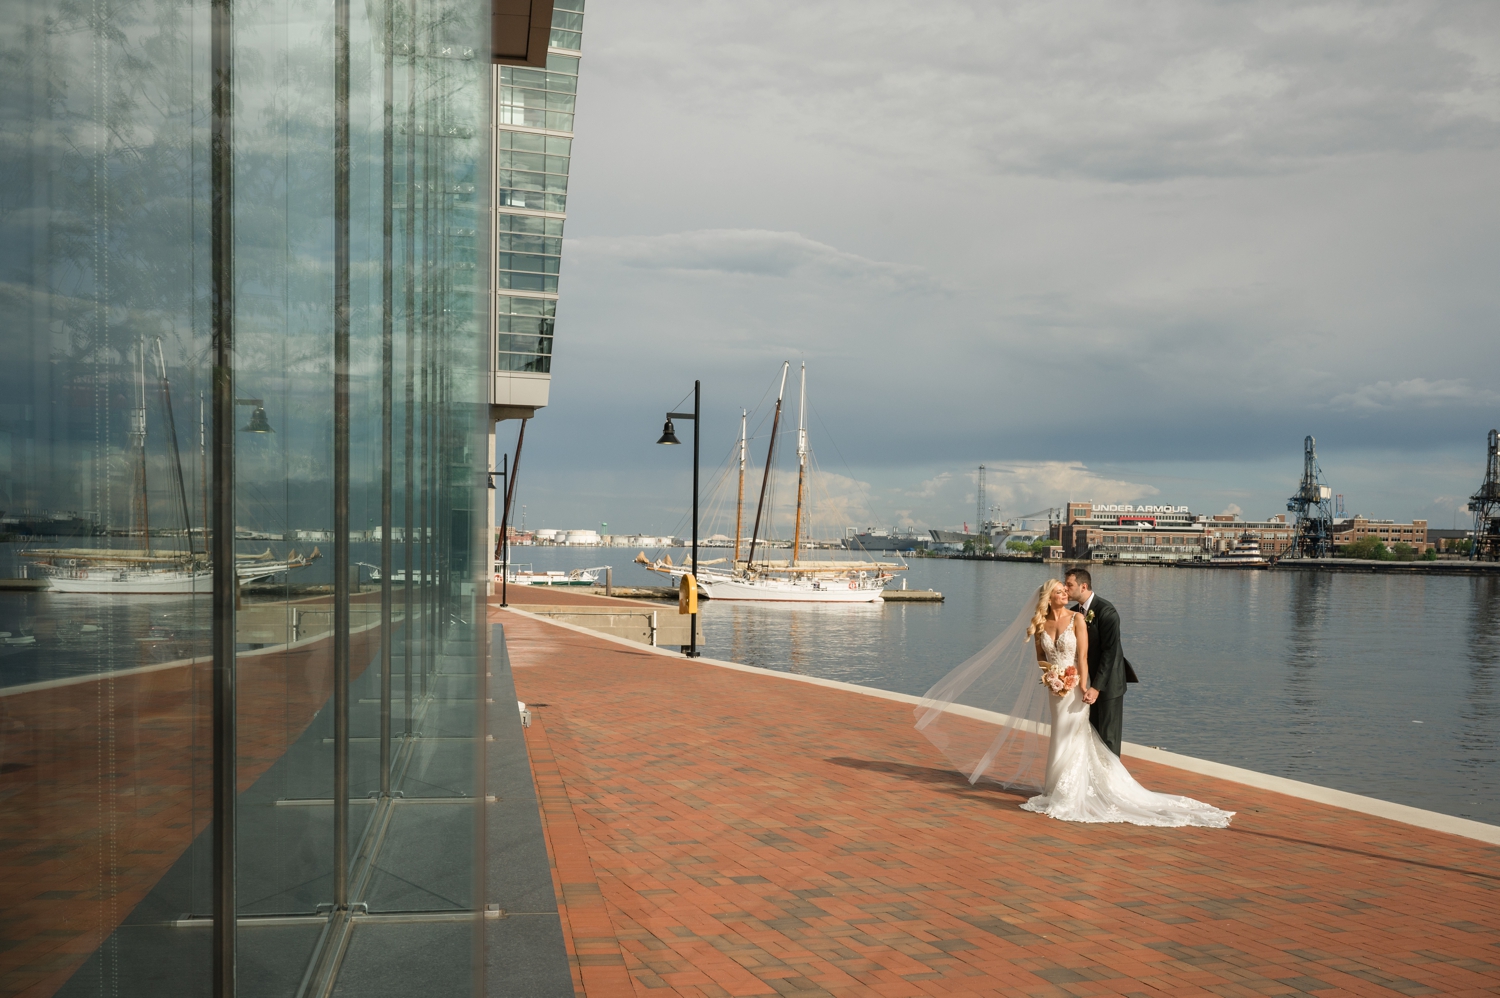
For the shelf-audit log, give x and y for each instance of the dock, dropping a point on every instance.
(716, 829)
(912, 596)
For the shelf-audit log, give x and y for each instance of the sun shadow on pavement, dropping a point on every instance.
(950, 781)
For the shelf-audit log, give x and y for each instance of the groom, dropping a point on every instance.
(1109, 669)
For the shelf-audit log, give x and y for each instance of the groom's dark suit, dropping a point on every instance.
(1109, 671)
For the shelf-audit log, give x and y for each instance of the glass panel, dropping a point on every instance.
(528, 306)
(519, 362)
(525, 344)
(106, 482)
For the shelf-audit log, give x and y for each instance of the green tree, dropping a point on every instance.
(1403, 551)
(1369, 548)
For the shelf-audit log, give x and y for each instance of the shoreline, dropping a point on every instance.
(1344, 565)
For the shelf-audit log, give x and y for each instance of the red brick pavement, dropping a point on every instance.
(751, 835)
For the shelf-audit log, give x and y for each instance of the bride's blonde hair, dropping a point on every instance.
(1043, 605)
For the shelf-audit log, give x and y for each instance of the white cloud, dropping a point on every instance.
(751, 252)
(1233, 509)
(1014, 489)
(1413, 393)
(930, 488)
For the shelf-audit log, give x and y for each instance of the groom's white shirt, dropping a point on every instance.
(1084, 606)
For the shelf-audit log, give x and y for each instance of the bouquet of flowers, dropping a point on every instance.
(1060, 681)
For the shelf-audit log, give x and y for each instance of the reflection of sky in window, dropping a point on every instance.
(115, 255)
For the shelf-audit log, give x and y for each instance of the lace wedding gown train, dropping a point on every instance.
(1087, 782)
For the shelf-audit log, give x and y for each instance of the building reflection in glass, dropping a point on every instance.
(356, 692)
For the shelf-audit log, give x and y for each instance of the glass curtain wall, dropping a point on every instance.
(349, 467)
(533, 146)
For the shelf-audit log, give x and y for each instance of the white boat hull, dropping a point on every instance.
(145, 583)
(98, 580)
(792, 591)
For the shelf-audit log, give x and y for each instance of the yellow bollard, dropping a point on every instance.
(687, 595)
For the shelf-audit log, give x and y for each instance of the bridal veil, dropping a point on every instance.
(990, 716)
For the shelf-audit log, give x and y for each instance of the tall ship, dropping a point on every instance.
(796, 579)
(147, 571)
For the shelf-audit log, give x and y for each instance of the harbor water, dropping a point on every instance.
(1382, 685)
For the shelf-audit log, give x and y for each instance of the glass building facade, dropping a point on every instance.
(244, 256)
(534, 110)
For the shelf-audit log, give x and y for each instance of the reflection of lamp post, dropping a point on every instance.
(670, 437)
(258, 422)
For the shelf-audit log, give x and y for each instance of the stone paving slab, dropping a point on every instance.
(751, 836)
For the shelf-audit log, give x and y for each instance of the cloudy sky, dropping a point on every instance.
(1114, 251)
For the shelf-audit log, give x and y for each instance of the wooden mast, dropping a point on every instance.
(801, 463)
(739, 508)
(765, 477)
(166, 403)
(138, 439)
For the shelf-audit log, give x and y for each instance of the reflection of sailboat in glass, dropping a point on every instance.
(103, 570)
(797, 580)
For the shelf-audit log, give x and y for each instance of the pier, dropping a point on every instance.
(721, 830)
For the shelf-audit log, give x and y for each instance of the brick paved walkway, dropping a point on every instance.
(721, 833)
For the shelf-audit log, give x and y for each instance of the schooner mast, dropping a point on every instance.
(138, 443)
(739, 508)
(765, 477)
(801, 463)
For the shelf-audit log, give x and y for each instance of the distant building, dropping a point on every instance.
(1391, 533)
(1450, 540)
(1158, 533)
(652, 541)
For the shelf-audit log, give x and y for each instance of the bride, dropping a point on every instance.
(1083, 779)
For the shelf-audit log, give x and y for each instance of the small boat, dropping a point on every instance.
(1244, 554)
(525, 575)
(398, 575)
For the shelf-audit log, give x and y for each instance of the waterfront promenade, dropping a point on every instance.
(722, 832)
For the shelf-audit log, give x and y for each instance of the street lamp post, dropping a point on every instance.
(504, 473)
(669, 436)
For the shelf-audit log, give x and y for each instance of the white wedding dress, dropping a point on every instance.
(1087, 782)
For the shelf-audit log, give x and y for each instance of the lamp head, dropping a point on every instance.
(258, 422)
(668, 435)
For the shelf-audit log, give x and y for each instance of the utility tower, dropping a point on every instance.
(1313, 506)
(1485, 505)
(980, 513)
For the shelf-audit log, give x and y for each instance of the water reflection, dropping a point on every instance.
(1478, 756)
(1310, 595)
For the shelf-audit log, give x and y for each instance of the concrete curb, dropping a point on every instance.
(1402, 813)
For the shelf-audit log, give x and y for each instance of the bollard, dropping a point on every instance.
(609, 588)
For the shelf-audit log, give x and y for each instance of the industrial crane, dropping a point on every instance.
(1313, 506)
(1485, 505)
